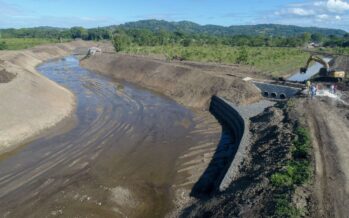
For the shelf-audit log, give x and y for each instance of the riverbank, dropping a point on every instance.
(191, 84)
(31, 103)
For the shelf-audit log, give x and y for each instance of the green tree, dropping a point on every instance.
(306, 37)
(78, 32)
(120, 41)
(317, 37)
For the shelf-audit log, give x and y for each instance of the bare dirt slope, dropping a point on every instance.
(30, 102)
(329, 122)
(191, 84)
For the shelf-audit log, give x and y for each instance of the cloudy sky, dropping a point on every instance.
(67, 13)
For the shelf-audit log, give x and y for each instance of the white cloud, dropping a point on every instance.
(337, 6)
(323, 16)
(300, 12)
(323, 13)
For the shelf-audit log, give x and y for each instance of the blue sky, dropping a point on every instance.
(67, 13)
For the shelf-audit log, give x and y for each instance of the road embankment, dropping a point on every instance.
(192, 86)
(29, 102)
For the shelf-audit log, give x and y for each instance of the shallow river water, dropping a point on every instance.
(118, 159)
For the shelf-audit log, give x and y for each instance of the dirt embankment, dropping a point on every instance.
(191, 84)
(29, 102)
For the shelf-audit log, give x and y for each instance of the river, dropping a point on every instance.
(117, 160)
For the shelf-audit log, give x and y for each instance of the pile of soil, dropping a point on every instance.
(6, 77)
(191, 84)
(251, 195)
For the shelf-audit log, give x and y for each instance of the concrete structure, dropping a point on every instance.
(276, 91)
(229, 156)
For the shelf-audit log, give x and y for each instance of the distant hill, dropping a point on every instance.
(182, 26)
(190, 27)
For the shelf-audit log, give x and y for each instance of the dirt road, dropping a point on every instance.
(330, 132)
(120, 160)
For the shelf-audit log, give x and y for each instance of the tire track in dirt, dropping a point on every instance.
(330, 133)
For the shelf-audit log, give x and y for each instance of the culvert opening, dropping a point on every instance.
(273, 95)
(265, 94)
(282, 96)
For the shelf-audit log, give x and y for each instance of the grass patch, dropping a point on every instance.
(283, 208)
(295, 172)
(271, 61)
(24, 43)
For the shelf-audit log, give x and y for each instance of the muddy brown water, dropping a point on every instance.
(119, 159)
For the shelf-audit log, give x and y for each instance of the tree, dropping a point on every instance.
(306, 37)
(78, 32)
(120, 41)
(316, 37)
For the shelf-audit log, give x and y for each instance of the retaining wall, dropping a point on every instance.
(230, 118)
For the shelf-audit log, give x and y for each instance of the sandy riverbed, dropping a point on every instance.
(31, 103)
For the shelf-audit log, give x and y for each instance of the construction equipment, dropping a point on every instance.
(325, 73)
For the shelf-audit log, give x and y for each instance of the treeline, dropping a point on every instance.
(57, 33)
(147, 37)
(143, 37)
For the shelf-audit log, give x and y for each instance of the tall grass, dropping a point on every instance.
(24, 43)
(271, 61)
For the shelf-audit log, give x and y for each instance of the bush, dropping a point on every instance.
(121, 41)
(302, 144)
(284, 209)
(3, 45)
(281, 180)
(242, 58)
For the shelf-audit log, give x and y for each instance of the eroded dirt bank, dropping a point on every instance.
(29, 102)
(191, 84)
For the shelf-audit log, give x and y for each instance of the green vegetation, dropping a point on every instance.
(248, 30)
(271, 49)
(3, 45)
(269, 60)
(296, 172)
(284, 208)
(23, 43)
(120, 41)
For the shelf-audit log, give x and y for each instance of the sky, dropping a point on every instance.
(86, 13)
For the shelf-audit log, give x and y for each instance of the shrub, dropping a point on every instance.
(281, 180)
(284, 209)
(3, 45)
(120, 41)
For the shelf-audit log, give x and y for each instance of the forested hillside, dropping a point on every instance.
(250, 30)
